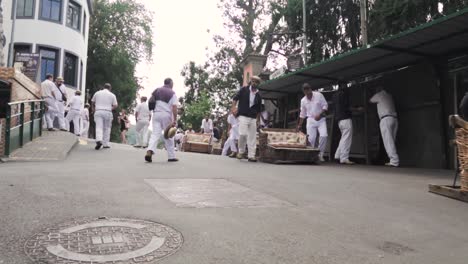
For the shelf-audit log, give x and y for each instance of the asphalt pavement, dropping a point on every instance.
(231, 211)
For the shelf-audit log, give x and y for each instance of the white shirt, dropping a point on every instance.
(162, 106)
(265, 116)
(58, 94)
(232, 120)
(85, 114)
(104, 100)
(385, 104)
(76, 103)
(252, 97)
(207, 126)
(312, 108)
(178, 136)
(143, 112)
(48, 89)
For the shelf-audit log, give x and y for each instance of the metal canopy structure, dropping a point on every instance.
(436, 40)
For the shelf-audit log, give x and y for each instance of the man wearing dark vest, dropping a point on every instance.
(164, 115)
(249, 103)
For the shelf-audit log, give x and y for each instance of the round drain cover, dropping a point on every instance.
(104, 240)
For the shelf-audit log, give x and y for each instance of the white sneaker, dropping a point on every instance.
(321, 159)
(388, 164)
(347, 162)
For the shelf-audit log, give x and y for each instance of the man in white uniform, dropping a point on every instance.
(231, 142)
(388, 124)
(143, 117)
(48, 90)
(178, 138)
(314, 107)
(207, 125)
(74, 113)
(264, 118)
(61, 101)
(85, 121)
(104, 101)
(164, 115)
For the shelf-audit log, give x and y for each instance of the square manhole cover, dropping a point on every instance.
(200, 193)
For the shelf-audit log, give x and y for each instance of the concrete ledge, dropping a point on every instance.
(52, 146)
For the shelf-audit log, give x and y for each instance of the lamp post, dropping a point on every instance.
(363, 8)
(12, 38)
(304, 28)
(2, 42)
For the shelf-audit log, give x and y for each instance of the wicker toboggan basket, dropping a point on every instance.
(461, 133)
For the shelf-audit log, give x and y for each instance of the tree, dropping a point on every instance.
(332, 26)
(120, 36)
(250, 25)
(388, 17)
(196, 111)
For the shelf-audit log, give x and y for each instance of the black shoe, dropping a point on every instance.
(51, 129)
(98, 145)
(149, 156)
(63, 129)
(252, 159)
(106, 147)
(173, 160)
(137, 146)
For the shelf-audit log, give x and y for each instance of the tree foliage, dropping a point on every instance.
(388, 17)
(249, 24)
(195, 111)
(333, 26)
(120, 36)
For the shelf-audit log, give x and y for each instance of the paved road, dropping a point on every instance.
(259, 213)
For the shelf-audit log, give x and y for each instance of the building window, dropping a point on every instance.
(70, 69)
(21, 48)
(51, 10)
(73, 15)
(84, 25)
(25, 8)
(49, 62)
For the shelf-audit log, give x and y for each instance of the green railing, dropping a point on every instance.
(23, 123)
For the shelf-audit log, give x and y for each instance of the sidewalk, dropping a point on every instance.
(52, 146)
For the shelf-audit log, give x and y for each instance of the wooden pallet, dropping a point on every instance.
(449, 191)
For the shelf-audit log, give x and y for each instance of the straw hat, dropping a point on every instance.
(256, 78)
(59, 79)
(169, 132)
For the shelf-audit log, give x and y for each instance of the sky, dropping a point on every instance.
(180, 30)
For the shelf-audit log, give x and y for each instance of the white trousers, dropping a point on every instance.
(103, 120)
(160, 121)
(389, 128)
(84, 128)
(142, 132)
(61, 115)
(346, 128)
(74, 115)
(247, 135)
(312, 128)
(51, 112)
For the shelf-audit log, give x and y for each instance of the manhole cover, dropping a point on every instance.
(107, 240)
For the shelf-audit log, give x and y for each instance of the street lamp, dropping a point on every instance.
(2, 39)
(304, 29)
(12, 38)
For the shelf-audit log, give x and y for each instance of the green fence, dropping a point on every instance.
(23, 123)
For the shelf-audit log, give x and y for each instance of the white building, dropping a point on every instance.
(55, 29)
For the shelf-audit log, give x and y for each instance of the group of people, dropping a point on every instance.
(247, 111)
(63, 110)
